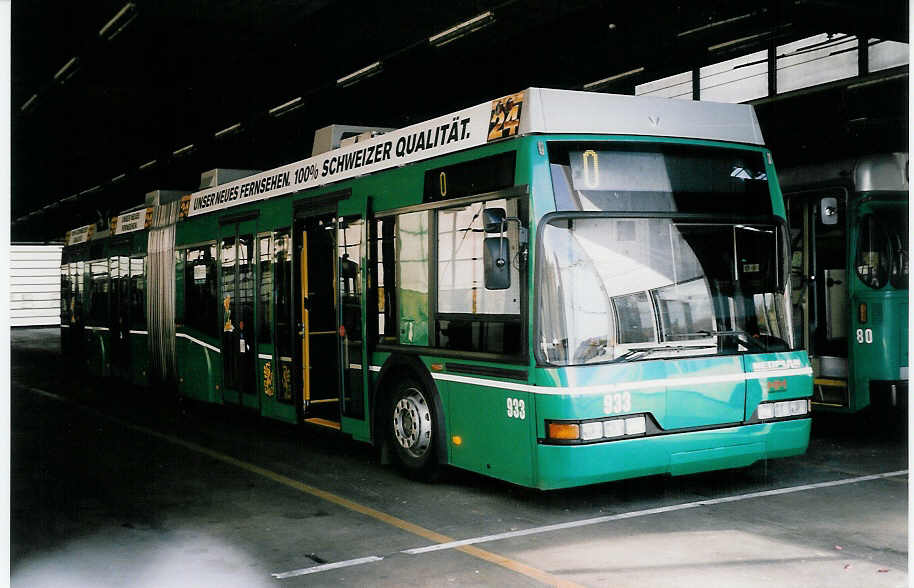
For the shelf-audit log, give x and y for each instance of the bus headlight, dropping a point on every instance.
(782, 409)
(614, 428)
(624, 426)
(591, 431)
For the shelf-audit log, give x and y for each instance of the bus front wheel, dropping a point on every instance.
(412, 425)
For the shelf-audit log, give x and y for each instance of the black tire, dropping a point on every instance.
(412, 428)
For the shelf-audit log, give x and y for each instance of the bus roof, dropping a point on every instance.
(532, 111)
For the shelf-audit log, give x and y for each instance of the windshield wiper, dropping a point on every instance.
(649, 350)
(743, 336)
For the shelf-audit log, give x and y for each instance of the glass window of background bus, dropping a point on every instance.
(97, 293)
(470, 317)
(138, 293)
(200, 304)
(282, 267)
(628, 177)
(872, 259)
(675, 290)
(412, 265)
(265, 290)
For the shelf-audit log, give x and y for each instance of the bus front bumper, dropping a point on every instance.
(563, 466)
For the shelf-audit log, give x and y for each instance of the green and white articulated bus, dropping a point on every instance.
(849, 227)
(553, 288)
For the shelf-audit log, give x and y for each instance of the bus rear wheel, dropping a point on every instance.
(413, 427)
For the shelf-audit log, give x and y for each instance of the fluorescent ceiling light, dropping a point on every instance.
(28, 103)
(714, 24)
(70, 198)
(228, 130)
(462, 29)
(735, 41)
(148, 164)
(605, 81)
(286, 107)
(62, 75)
(117, 179)
(183, 150)
(365, 72)
(90, 190)
(123, 18)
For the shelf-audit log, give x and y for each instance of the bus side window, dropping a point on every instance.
(265, 289)
(200, 304)
(470, 316)
(383, 281)
(138, 293)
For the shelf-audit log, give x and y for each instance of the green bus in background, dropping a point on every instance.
(553, 288)
(849, 230)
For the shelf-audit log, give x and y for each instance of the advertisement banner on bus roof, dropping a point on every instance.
(132, 221)
(80, 235)
(466, 128)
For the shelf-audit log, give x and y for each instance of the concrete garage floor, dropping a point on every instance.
(111, 487)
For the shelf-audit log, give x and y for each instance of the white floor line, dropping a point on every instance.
(327, 567)
(649, 511)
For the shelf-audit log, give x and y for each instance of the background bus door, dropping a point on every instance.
(318, 325)
(818, 270)
(237, 295)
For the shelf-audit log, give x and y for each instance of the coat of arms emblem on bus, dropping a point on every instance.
(505, 118)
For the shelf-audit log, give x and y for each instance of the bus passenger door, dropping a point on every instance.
(317, 326)
(818, 272)
(352, 251)
(119, 268)
(237, 293)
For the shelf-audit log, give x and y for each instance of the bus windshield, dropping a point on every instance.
(625, 289)
(882, 247)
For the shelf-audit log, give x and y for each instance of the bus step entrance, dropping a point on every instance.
(324, 412)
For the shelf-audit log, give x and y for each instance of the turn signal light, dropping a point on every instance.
(861, 312)
(564, 431)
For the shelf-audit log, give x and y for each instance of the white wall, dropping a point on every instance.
(34, 285)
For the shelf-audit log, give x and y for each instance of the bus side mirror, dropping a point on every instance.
(496, 251)
(828, 210)
(493, 219)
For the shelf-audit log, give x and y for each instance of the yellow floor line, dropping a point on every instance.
(499, 560)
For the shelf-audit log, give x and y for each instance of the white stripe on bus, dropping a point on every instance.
(199, 342)
(98, 328)
(623, 386)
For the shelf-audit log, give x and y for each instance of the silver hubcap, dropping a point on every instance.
(413, 423)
